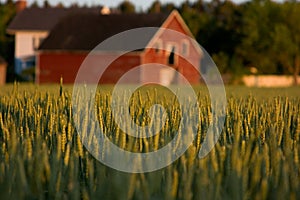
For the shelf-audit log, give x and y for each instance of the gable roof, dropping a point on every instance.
(84, 31)
(43, 19)
(2, 61)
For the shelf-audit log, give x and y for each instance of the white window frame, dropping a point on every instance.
(185, 42)
(158, 46)
(36, 42)
(169, 47)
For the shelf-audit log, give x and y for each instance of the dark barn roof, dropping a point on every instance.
(2, 61)
(86, 30)
(43, 19)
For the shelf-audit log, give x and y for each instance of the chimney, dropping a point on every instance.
(21, 5)
(105, 10)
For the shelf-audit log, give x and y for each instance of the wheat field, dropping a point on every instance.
(256, 156)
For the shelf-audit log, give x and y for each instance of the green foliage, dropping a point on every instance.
(46, 4)
(216, 26)
(222, 60)
(155, 7)
(256, 157)
(127, 7)
(271, 37)
(260, 33)
(168, 7)
(7, 12)
(256, 47)
(29, 73)
(286, 38)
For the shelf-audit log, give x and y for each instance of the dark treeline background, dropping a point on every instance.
(7, 12)
(259, 36)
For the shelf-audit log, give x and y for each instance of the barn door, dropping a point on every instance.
(166, 76)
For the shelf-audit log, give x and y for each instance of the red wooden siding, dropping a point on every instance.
(119, 67)
(53, 66)
(187, 69)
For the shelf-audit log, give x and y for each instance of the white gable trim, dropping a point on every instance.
(174, 14)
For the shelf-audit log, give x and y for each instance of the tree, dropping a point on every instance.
(35, 4)
(194, 19)
(74, 5)
(271, 37)
(167, 8)
(256, 48)
(199, 6)
(7, 12)
(46, 4)
(126, 7)
(9, 3)
(60, 5)
(219, 32)
(286, 39)
(155, 7)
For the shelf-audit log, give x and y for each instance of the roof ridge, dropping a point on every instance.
(78, 27)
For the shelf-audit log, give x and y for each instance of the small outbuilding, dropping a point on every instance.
(3, 66)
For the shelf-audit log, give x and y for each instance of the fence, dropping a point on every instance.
(269, 80)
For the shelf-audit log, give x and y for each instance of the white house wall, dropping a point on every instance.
(24, 43)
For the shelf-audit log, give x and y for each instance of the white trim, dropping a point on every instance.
(187, 48)
(175, 14)
(186, 28)
(26, 43)
(158, 46)
(169, 47)
(13, 32)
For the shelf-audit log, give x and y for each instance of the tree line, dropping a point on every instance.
(7, 12)
(258, 36)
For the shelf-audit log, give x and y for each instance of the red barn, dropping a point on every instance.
(69, 43)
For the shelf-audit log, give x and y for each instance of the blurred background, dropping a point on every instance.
(247, 39)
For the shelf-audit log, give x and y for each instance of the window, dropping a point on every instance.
(36, 41)
(185, 48)
(171, 59)
(172, 51)
(158, 46)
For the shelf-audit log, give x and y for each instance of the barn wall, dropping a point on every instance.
(181, 64)
(149, 74)
(65, 64)
(53, 66)
(118, 69)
